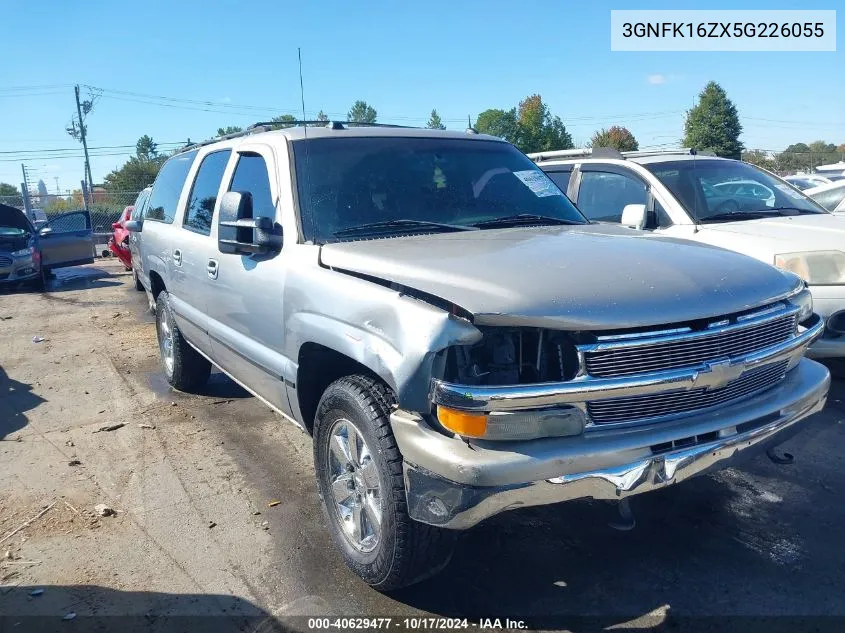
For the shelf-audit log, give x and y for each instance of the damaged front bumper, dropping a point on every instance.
(456, 484)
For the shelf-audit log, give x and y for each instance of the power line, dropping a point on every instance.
(74, 149)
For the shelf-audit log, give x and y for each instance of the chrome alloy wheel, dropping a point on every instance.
(165, 341)
(353, 476)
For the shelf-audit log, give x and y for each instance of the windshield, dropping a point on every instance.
(352, 182)
(709, 188)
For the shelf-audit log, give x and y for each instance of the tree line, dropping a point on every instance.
(712, 125)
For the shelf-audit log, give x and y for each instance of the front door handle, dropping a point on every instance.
(177, 257)
(211, 268)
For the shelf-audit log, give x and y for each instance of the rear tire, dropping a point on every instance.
(378, 541)
(184, 368)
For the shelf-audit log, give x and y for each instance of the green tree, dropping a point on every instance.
(10, 195)
(283, 121)
(501, 123)
(759, 158)
(229, 129)
(434, 121)
(146, 148)
(362, 112)
(321, 116)
(134, 175)
(538, 130)
(8, 190)
(617, 137)
(139, 171)
(713, 123)
(795, 157)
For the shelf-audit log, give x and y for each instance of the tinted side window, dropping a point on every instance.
(251, 176)
(560, 178)
(140, 206)
(71, 222)
(603, 195)
(168, 187)
(200, 210)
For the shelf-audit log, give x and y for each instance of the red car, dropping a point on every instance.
(119, 241)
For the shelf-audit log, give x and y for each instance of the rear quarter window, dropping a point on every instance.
(167, 188)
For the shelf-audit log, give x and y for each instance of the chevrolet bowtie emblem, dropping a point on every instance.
(719, 374)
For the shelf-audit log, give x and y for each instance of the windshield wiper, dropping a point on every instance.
(735, 215)
(404, 223)
(523, 218)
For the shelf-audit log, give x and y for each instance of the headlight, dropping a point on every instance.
(22, 253)
(804, 301)
(513, 425)
(815, 267)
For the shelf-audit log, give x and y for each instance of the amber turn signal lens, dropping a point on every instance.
(462, 422)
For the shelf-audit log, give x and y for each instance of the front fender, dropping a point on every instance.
(395, 336)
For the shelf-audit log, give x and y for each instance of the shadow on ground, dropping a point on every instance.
(15, 398)
(37, 609)
(759, 541)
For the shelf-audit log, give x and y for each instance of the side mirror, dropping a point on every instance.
(634, 216)
(133, 226)
(238, 232)
(45, 231)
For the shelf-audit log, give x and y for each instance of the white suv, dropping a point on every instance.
(716, 201)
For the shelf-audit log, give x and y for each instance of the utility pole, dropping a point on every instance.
(27, 205)
(84, 140)
(58, 192)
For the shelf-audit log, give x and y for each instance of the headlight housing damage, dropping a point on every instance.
(824, 268)
(510, 356)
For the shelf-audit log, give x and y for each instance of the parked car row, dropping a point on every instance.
(721, 202)
(460, 338)
(808, 181)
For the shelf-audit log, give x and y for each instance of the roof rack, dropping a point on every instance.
(609, 152)
(267, 126)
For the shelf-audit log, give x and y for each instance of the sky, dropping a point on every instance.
(205, 64)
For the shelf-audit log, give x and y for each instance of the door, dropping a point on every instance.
(193, 249)
(604, 192)
(244, 302)
(67, 240)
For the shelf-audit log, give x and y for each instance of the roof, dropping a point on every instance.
(669, 158)
(341, 130)
(836, 184)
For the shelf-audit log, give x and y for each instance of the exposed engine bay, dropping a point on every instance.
(509, 356)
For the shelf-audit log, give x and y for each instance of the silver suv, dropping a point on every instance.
(457, 338)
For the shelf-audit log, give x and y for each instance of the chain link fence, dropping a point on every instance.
(105, 207)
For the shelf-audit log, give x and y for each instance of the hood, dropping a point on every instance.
(817, 232)
(595, 277)
(11, 217)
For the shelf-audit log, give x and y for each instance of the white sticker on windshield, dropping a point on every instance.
(538, 182)
(792, 193)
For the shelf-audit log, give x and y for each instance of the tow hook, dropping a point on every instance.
(785, 458)
(626, 521)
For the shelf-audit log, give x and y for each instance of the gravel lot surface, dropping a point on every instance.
(190, 476)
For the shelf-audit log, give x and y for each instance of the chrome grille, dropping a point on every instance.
(636, 408)
(5, 261)
(641, 356)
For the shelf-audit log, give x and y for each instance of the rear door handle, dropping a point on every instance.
(212, 268)
(177, 257)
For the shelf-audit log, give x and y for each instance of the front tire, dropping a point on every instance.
(359, 479)
(138, 285)
(184, 368)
